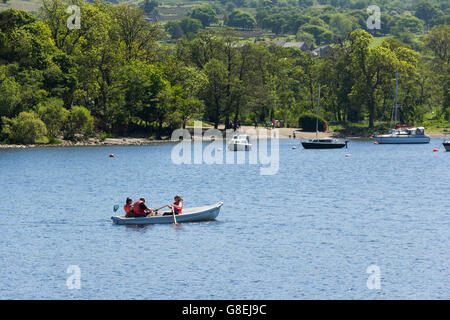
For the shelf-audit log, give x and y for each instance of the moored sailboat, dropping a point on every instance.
(402, 134)
(324, 143)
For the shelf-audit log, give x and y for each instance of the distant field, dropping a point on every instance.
(27, 5)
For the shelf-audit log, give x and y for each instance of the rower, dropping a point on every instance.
(177, 205)
(141, 210)
(128, 208)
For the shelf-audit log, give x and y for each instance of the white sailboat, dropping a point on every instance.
(402, 134)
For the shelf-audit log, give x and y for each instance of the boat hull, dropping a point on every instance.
(323, 145)
(239, 147)
(402, 140)
(446, 146)
(189, 215)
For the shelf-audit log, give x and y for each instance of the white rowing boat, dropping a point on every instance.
(189, 215)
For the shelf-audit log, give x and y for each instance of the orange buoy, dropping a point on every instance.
(111, 155)
(375, 142)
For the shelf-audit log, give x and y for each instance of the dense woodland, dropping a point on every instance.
(124, 73)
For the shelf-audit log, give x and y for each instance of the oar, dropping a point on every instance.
(174, 219)
(156, 210)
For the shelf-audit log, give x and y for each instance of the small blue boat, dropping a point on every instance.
(205, 213)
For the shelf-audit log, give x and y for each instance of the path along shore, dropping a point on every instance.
(284, 133)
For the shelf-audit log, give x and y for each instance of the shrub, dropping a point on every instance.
(307, 122)
(80, 121)
(53, 114)
(26, 128)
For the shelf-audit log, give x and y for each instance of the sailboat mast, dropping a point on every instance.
(396, 91)
(317, 118)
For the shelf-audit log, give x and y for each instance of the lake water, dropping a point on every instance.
(308, 232)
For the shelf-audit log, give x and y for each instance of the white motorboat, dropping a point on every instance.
(240, 142)
(446, 145)
(400, 135)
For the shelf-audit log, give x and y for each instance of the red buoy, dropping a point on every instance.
(435, 150)
(375, 142)
(111, 155)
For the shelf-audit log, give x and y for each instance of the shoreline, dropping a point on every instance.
(284, 133)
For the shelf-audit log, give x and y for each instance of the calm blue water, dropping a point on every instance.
(308, 232)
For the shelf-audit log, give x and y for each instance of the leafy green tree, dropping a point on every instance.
(11, 19)
(10, 96)
(54, 115)
(240, 19)
(26, 128)
(306, 38)
(321, 34)
(80, 121)
(214, 93)
(427, 11)
(149, 6)
(372, 67)
(206, 14)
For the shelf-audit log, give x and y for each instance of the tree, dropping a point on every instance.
(427, 11)
(206, 14)
(214, 94)
(372, 67)
(306, 38)
(321, 34)
(150, 6)
(10, 96)
(240, 19)
(80, 121)
(26, 128)
(138, 34)
(54, 115)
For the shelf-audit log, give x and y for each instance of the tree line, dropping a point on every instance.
(113, 75)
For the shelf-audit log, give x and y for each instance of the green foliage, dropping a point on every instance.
(187, 27)
(307, 121)
(10, 97)
(240, 19)
(54, 115)
(26, 128)
(80, 121)
(207, 15)
(119, 69)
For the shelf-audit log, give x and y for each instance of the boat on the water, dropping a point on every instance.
(324, 143)
(446, 145)
(205, 213)
(240, 142)
(327, 143)
(402, 134)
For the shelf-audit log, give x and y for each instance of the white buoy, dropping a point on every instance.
(347, 154)
(294, 147)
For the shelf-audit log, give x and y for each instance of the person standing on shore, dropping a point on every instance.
(293, 134)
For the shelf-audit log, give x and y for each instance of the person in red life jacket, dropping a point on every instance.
(141, 210)
(128, 208)
(177, 205)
